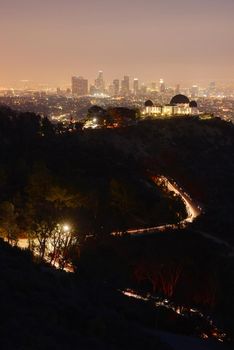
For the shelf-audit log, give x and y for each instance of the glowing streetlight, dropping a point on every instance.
(66, 228)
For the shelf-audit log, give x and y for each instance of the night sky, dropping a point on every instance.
(181, 41)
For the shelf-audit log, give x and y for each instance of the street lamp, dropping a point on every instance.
(66, 228)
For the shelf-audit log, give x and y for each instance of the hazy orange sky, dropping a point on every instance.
(182, 41)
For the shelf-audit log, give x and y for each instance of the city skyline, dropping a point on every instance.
(184, 42)
(153, 84)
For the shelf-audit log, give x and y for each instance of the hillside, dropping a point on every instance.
(97, 181)
(42, 308)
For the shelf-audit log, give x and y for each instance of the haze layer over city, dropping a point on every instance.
(116, 174)
(184, 41)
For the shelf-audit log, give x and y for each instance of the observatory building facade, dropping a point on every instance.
(180, 105)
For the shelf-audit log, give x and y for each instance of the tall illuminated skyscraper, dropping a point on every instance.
(125, 85)
(99, 82)
(153, 86)
(111, 90)
(162, 87)
(143, 89)
(194, 91)
(116, 86)
(135, 86)
(79, 86)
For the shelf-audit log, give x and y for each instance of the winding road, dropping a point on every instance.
(192, 208)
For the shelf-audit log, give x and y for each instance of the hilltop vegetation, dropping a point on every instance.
(48, 177)
(197, 154)
(99, 181)
(104, 169)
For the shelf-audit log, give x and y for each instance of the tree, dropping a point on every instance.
(3, 178)
(122, 202)
(28, 125)
(47, 128)
(61, 241)
(98, 113)
(8, 222)
(48, 205)
(163, 275)
(122, 115)
(61, 198)
(121, 197)
(79, 126)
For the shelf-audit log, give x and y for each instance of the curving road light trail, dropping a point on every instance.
(192, 208)
(193, 211)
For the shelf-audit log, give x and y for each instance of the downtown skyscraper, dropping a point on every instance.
(79, 86)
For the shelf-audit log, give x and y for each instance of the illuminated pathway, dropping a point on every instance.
(193, 210)
(180, 340)
(177, 341)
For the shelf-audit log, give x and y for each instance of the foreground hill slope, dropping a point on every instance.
(42, 309)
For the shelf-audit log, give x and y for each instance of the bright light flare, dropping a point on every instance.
(66, 228)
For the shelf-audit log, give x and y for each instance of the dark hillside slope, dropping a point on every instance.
(46, 309)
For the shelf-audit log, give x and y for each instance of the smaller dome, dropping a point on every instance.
(149, 103)
(179, 99)
(193, 104)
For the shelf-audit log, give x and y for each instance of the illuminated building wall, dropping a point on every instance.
(79, 86)
(170, 110)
